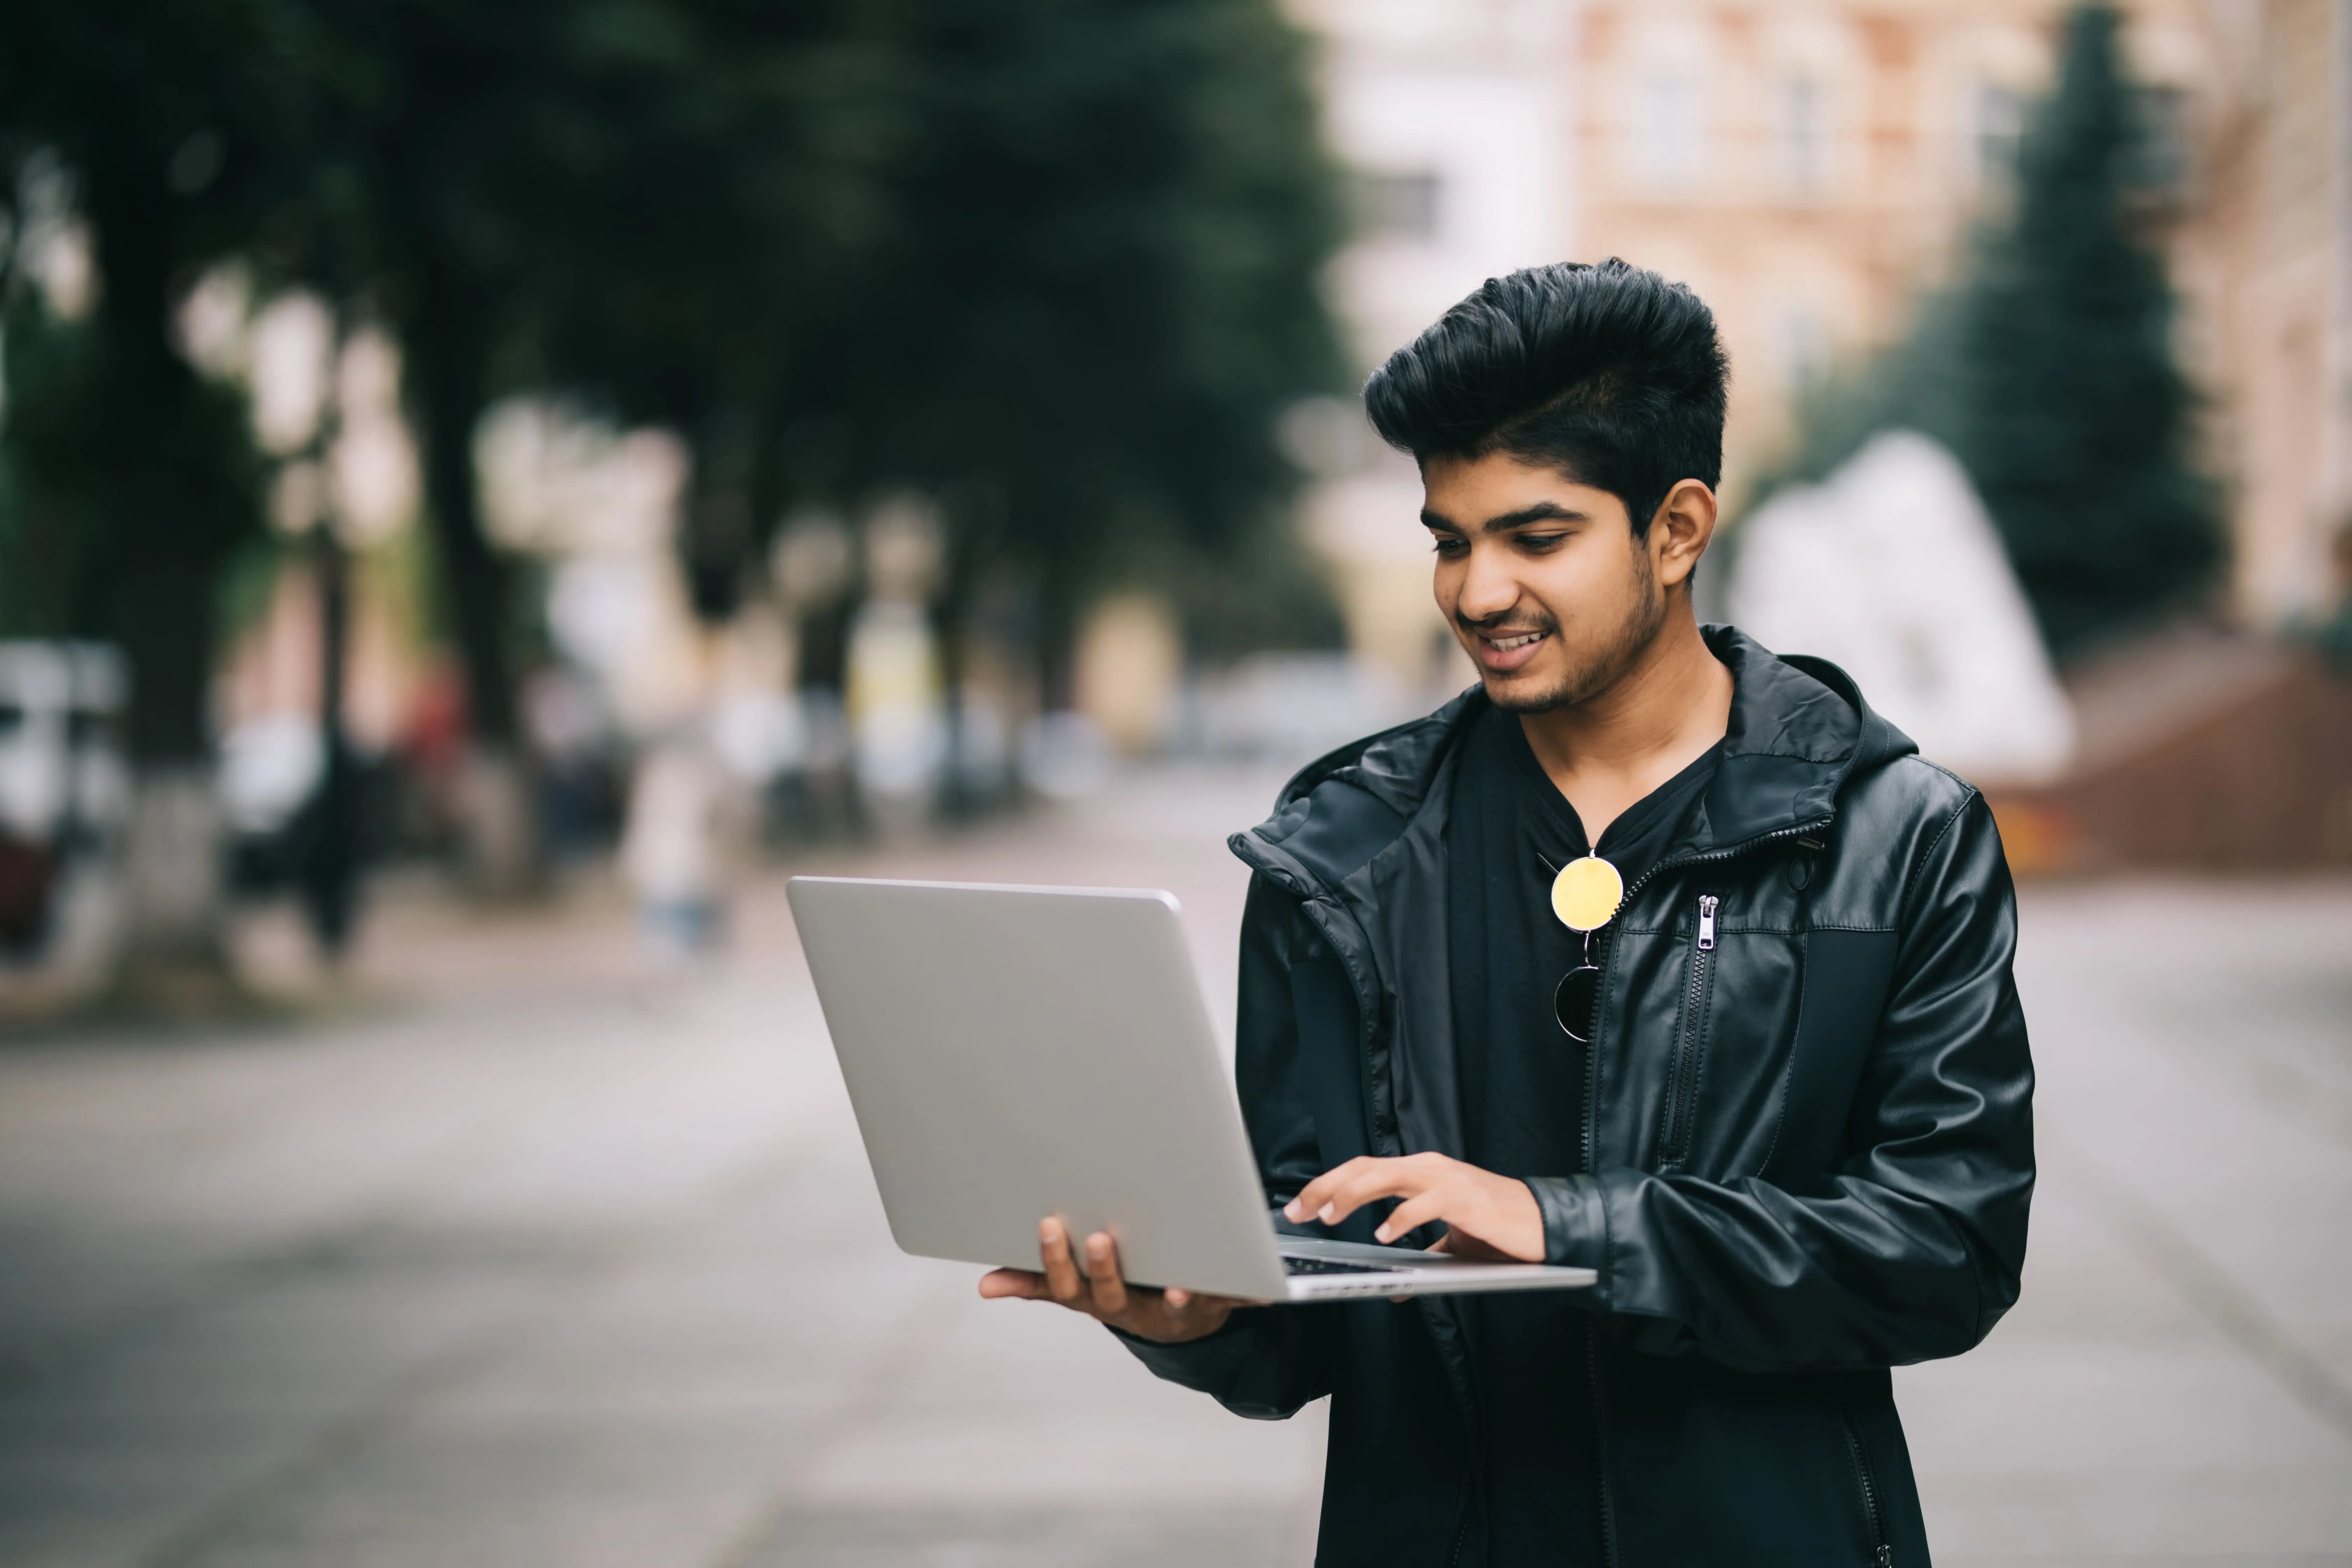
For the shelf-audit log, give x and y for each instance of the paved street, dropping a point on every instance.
(517, 1250)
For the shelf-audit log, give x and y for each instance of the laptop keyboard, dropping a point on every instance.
(1332, 1266)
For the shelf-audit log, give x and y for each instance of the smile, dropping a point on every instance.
(1502, 655)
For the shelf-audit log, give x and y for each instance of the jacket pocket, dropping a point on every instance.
(1690, 1041)
(1874, 1503)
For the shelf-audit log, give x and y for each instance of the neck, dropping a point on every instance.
(1660, 715)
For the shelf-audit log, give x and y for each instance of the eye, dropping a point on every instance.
(1447, 545)
(1541, 542)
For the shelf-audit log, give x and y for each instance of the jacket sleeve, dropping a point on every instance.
(1911, 1245)
(1266, 1361)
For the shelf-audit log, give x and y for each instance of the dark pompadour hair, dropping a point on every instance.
(1609, 373)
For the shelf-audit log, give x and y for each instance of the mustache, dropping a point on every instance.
(1504, 626)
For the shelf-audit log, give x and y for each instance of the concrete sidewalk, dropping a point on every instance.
(2176, 1386)
(524, 1253)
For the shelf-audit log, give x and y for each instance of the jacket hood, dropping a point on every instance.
(1798, 730)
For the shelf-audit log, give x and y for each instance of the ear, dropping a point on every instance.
(1680, 530)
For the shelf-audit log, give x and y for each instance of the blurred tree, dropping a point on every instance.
(641, 202)
(756, 169)
(2052, 373)
(54, 535)
(1119, 212)
(2078, 420)
(132, 131)
(1054, 262)
(426, 191)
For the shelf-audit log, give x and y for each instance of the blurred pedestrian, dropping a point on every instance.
(686, 830)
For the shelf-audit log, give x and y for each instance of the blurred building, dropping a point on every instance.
(2269, 246)
(1810, 166)
(1806, 167)
(1452, 118)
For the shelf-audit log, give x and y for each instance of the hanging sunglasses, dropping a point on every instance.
(1576, 995)
(1585, 894)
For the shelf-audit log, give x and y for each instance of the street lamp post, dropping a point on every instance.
(329, 871)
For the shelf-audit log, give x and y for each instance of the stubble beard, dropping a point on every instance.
(1645, 613)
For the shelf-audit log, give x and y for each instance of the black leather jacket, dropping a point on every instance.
(1808, 1149)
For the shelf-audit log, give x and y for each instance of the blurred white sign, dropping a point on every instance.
(1891, 570)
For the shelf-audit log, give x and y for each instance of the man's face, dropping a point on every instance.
(1541, 577)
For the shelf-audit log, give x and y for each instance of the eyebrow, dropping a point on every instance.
(1541, 511)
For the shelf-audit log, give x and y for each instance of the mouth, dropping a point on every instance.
(1509, 651)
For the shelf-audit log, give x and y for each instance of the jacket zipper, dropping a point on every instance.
(1803, 830)
(1882, 1550)
(1591, 1331)
(1682, 1074)
(1601, 1443)
(1591, 1134)
(1608, 936)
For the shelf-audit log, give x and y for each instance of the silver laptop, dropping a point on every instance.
(1019, 1052)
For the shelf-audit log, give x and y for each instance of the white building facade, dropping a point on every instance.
(1453, 122)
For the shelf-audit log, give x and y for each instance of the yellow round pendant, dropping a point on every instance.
(1586, 893)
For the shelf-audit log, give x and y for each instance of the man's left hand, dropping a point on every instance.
(1487, 1216)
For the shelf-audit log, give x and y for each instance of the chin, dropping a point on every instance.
(1528, 690)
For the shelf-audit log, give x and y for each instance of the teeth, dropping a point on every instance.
(1505, 645)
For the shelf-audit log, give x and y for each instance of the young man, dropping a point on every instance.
(1779, 1098)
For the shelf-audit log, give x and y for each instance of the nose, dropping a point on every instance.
(1490, 588)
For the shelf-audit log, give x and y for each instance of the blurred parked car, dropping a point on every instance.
(269, 768)
(65, 791)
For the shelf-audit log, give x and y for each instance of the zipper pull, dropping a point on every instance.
(1886, 1557)
(1706, 903)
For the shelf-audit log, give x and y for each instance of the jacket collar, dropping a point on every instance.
(1799, 729)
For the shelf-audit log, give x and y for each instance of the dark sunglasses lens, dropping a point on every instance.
(1572, 1001)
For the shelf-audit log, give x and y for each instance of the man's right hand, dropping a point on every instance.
(1171, 1317)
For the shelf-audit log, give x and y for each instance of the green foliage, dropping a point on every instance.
(2051, 372)
(1918, 384)
(1112, 291)
(97, 502)
(1264, 593)
(2078, 424)
(52, 533)
(1054, 260)
(246, 584)
(127, 480)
